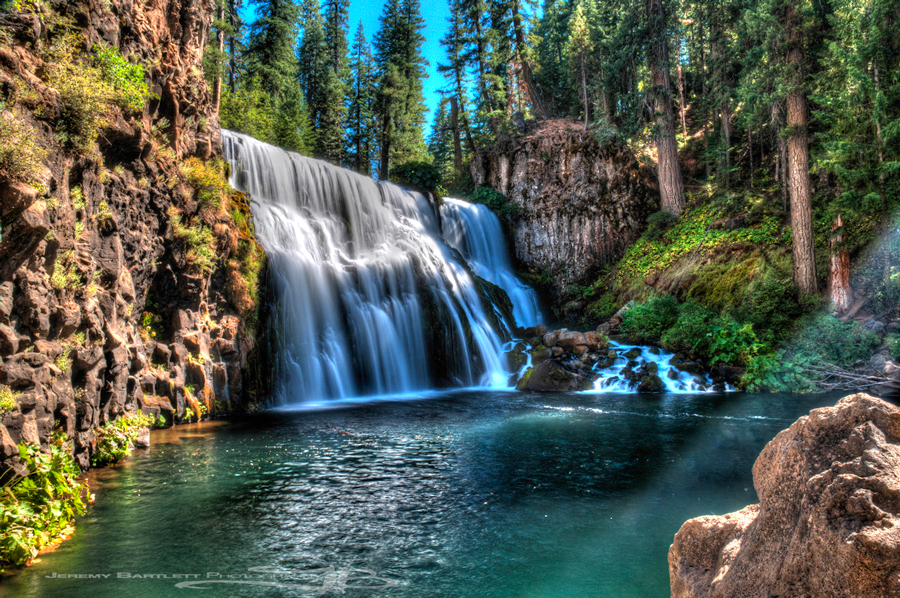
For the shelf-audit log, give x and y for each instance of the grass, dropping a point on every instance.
(8, 399)
(199, 242)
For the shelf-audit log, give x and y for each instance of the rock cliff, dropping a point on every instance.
(828, 520)
(105, 303)
(579, 204)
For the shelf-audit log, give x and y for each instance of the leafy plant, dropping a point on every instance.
(115, 439)
(8, 399)
(646, 323)
(20, 154)
(209, 180)
(420, 175)
(127, 79)
(201, 245)
(65, 272)
(37, 508)
(658, 223)
(77, 196)
(893, 343)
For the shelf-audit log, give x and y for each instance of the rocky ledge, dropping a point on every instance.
(567, 360)
(827, 521)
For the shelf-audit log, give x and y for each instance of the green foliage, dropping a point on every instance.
(64, 360)
(127, 79)
(38, 508)
(690, 333)
(603, 308)
(209, 180)
(733, 342)
(834, 342)
(646, 323)
(115, 439)
(65, 272)
(8, 399)
(21, 155)
(199, 241)
(658, 223)
(420, 175)
(893, 343)
(77, 196)
(778, 372)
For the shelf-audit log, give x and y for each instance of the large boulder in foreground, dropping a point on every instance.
(828, 520)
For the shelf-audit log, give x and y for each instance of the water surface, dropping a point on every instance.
(470, 493)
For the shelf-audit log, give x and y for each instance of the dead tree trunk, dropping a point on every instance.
(839, 291)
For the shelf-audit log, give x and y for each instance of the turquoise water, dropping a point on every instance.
(466, 494)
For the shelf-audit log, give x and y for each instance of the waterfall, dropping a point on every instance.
(475, 232)
(369, 299)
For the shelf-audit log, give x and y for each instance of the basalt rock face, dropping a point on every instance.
(102, 309)
(580, 205)
(828, 521)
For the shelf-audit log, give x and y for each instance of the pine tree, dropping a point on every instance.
(401, 68)
(312, 60)
(577, 48)
(670, 184)
(553, 32)
(440, 141)
(270, 50)
(361, 118)
(456, 69)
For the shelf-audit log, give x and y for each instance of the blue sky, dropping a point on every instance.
(435, 13)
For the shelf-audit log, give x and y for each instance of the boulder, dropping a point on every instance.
(533, 331)
(650, 383)
(550, 339)
(596, 341)
(569, 339)
(828, 520)
(549, 376)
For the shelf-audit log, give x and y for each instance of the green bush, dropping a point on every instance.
(209, 180)
(658, 223)
(733, 342)
(494, 200)
(37, 508)
(834, 342)
(690, 332)
(115, 438)
(8, 399)
(420, 175)
(20, 155)
(646, 323)
(127, 79)
(893, 343)
(200, 242)
(603, 308)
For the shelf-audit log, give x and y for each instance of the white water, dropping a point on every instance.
(674, 380)
(354, 262)
(475, 232)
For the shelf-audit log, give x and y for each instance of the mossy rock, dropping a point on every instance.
(633, 353)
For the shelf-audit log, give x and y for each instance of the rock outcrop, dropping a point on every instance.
(103, 308)
(828, 520)
(579, 204)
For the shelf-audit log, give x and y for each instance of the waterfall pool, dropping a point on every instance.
(467, 493)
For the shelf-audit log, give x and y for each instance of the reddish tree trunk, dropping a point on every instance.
(839, 291)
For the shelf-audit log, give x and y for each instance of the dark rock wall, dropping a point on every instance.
(581, 205)
(80, 353)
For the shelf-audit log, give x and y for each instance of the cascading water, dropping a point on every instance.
(611, 379)
(475, 232)
(362, 279)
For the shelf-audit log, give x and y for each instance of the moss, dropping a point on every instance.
(8, 399)
(20, 154)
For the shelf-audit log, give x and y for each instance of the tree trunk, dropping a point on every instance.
(530, 87)
(671, 188)
(725, 115)
(839, 291)
(457, 146)
(220, 38)
(469, 141)
(798, 164)
(232, 61)
(681, 107)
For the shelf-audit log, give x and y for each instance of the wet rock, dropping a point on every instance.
(569, 339)
(596, 341)
(828, 521)
(650, 383)
(533, 331)
(549, 340)
(633, 353)
(540, 356)
(549, 376)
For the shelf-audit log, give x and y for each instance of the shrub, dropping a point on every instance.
(893, 343)
(209, 180)
(65, 272)
(646, 323)
(420, 175)
(603, 308)
(37, 508)
(733, 342)
(494, 200)
(20, 154)
(8, 399)
(115, 439)
(690, 332)
(201, 245)
(838, 343)
(127, 79)
(658, 223)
